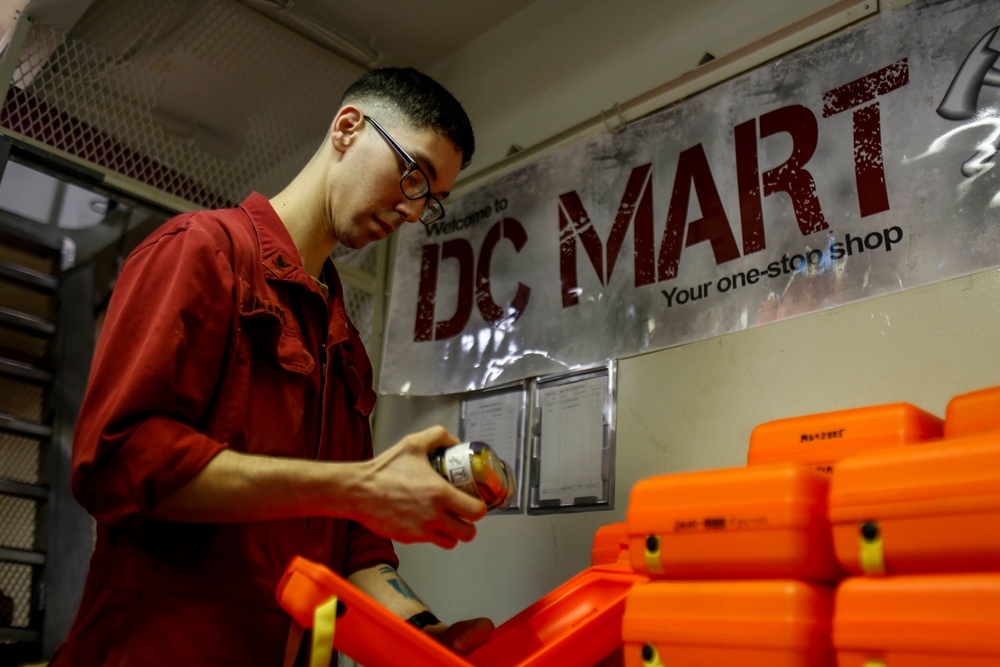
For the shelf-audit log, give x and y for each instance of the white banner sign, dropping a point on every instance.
(856, 168)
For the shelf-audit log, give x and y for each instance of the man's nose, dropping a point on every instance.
(411, 208)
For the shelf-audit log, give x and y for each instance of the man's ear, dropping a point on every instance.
(345, 127)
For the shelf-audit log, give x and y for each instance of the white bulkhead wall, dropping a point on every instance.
(691, 407)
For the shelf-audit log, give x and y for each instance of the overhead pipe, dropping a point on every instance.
(341, 44)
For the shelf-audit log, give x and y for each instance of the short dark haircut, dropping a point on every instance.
(420, 99)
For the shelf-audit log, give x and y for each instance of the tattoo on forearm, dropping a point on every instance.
(394, 580)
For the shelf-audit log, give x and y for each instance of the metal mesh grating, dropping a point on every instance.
(21, 400)
(17, 522)
(359, 299)
(360, 305)
(364, 259)
(202, 99)
(15, 584)
(19, 458)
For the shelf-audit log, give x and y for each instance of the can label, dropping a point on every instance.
(458, 468)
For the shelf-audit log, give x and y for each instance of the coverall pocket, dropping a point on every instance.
(273, 332)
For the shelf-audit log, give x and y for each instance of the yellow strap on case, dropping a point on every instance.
(874, 663)
(324, 624)
(871, 550)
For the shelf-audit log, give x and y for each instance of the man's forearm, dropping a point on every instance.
(236, 488)
(396, 495)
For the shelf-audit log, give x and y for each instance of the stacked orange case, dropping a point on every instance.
(934, 508)
(743, 550)
(750, 623)
(973, 413)
(610, 544)
(761, 522)
(948, 620)
(917, 529)
(821, 440)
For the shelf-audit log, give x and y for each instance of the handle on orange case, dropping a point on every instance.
(324, 625)
(650, 658)
(874, 663)
(653, 554)
(871, 550)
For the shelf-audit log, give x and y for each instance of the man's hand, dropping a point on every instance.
(404, 498)
(462, 637)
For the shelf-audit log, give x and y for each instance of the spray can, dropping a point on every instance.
(475, 469)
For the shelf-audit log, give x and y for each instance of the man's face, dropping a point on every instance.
(369, 203)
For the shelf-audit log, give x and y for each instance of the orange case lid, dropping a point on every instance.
(567, 627)
(954, 476)
(955, 614)
(575, 625)
(975, 412)
(825, 438)
(776, 614)
(610, 544)
(366, 631)
(763, 497)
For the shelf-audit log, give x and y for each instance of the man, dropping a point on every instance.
(225, 427)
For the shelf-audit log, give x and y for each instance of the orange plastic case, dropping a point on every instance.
(610, 544)
(820, 441)
(573, 626)
(973, 413)
(762, 623)
(365, 630)
(934, 508)
(918, 621)
(760, 522)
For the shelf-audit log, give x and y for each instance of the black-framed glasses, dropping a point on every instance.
(414, 182)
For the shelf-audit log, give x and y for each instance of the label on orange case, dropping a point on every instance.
(832, 434)
(715, 523)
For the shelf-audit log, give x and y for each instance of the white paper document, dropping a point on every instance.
(572, 440)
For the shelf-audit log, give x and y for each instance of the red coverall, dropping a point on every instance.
(215, 337)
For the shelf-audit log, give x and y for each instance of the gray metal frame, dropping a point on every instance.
(63, 535)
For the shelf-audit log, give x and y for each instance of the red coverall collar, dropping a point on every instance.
(281, 261)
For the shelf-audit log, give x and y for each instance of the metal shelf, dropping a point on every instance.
(25, 277)
(22, 556)
(23, 489)
(26, 372)
(27, 323)
(12, 424)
